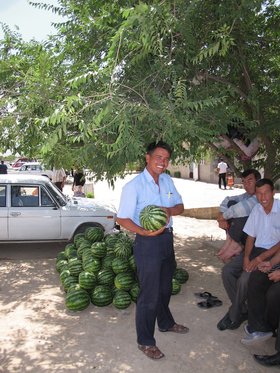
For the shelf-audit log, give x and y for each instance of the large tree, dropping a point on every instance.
(199, 74)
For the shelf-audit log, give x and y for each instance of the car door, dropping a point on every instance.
(3, 213)
(33, 215)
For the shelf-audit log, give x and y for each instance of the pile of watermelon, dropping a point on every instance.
(101, 270)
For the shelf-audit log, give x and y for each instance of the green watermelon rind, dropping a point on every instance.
(153, 218)
(77, 300)
(122, 299)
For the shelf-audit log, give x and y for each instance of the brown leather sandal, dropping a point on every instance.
(153, 352)
(176, 328)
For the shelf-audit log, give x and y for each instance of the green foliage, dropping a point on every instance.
(121, 74)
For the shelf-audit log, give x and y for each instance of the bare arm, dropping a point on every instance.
(264, 265)
(134, 228)
(175, 210)
(262, 257)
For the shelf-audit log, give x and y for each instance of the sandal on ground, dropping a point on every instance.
(176, 328)
(153, 352)
(205, 295)
(209, 303)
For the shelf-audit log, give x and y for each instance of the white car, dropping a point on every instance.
(34, 168)
(33, 209)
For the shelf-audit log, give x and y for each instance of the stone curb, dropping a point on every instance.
(202, 213)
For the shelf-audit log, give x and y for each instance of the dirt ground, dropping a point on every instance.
(37, 333)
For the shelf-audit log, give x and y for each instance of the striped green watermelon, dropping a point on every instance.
(124, 281)
(68, 281)
(123, 246)
(75, 266)
(120, 265)
(77, 300)
(94, 234)
(87, 253)
(61, 256)
(153, 218)
(87, 280)
(181, 275)
(61, 265)
(92, 264)
(70, 250)
(176, 286)
(106, 277)
(78, 238)
(65, 273)
(74, 287)
(134, 291)
(111, 239)
(107, 261)
(121, 299)
(82, 247)
(101, 296)
(99, 249)
(132, 263)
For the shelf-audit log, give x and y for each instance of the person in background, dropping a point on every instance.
(3, 168)
(78, 183)
(222, 170)
(263, 233)
(234, 212)
(153, 250)
(59, 178)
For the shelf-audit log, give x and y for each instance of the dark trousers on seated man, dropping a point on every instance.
(264, 311)
(235, 281)
(236, 226)
(263, 303)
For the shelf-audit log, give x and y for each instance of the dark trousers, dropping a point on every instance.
(235, 282)
(155, 261)
(222, 177)
(236, 226)
(264, 304)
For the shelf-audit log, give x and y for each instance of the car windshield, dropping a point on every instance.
(59, 197)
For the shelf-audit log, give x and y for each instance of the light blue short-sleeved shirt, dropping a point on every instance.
(142, 191)
(264, 227)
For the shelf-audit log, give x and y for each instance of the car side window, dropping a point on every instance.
(25, 196)
(45, 199)
(2, 196)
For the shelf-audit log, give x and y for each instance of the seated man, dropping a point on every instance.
(263, 230)
(264, 308)
(234, 212)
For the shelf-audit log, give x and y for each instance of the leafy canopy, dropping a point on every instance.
(201, 75)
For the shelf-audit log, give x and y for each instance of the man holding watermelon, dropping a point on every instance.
(153, 246)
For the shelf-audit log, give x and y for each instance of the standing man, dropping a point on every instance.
(153, 250)
(59, 178)
(222, 170)
(3, 168)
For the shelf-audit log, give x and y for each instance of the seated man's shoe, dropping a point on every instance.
(226, 323)
(236, 324)
(255, 337)
(268, 360)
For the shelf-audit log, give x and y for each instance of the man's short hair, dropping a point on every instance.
(251, 171)
(160, 144)
(263, 182)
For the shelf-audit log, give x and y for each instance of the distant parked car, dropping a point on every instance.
(35, 168)
(19, 162)
(33, 209)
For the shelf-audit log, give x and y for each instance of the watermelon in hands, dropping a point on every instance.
(153, 218)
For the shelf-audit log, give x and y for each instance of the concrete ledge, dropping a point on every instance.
(202, 213)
